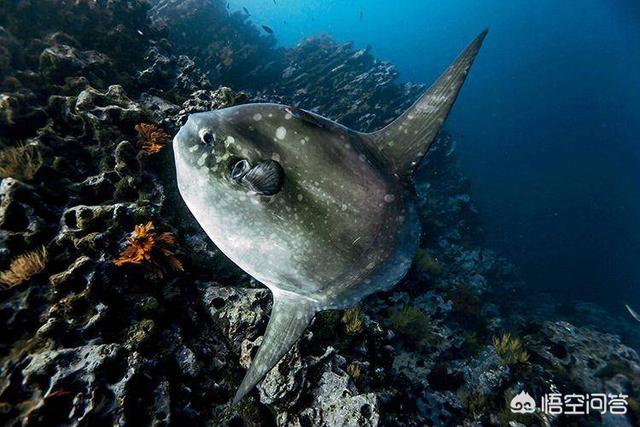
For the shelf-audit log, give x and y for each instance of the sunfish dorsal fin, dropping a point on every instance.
(406, 140)
(290, 316)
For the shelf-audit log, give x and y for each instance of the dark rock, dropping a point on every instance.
(241, 313)
(23, 216)
(208, 100)
(62, 61)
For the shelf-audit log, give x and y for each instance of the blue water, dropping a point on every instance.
(547, 123)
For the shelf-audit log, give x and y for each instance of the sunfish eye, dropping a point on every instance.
(207, 137)
(239, 169)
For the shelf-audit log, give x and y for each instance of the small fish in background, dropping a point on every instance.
(267, 28)
(246, 10)
(632, 312)
(361, 15)
(274, 2)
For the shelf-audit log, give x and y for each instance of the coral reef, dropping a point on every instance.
(156, 327)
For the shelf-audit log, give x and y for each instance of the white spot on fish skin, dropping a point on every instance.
(389, 198)
(230, 140)
(287, 116)
(202, 159)
(194, 148)
(344, 207)
(281, 132)
(275, 156)
(257, 117)
(299, 197)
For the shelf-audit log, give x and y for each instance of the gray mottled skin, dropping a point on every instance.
(343, 225)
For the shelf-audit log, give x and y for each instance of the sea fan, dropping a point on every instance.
(152, 138)
(150, 250)
(20, 162)
(352, 321)
(23, 267)
(510, 349)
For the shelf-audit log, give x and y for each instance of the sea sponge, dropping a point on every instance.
(20, 162)
(152, 138)
(510, 349)
(23, 267)
(352, 321)
(150, 250)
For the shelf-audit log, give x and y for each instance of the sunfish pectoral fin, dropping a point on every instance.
(406, 140)
(290, 316)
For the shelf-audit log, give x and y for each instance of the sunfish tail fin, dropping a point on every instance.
(406, 140)
(290, 316)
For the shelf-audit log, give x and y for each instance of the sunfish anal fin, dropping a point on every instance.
(290, 316)
(406, 140)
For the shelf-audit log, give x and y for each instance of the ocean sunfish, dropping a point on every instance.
(320, 214)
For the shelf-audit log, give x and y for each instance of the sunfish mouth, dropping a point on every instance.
(265, 178)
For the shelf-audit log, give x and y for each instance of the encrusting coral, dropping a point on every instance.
(152, 138)
(23, 267)
(510, 349)
(20, 162)
(148, 249)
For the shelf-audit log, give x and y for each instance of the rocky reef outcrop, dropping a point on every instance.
(93, 335)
